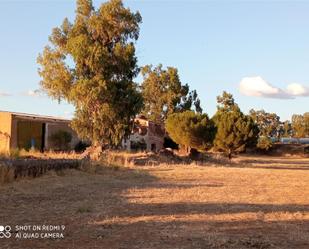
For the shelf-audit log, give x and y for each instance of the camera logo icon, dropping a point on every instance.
(5, 232)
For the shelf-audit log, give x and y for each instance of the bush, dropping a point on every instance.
(61, 140)
(264, 144)
(81, 146)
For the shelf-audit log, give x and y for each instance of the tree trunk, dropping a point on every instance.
(230, 154)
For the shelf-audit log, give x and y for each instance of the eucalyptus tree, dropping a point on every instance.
(91, 63)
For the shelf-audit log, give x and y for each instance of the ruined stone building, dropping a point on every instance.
(146, 135)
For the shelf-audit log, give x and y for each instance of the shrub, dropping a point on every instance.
(264, 143)
(61, 140)
(81, 146)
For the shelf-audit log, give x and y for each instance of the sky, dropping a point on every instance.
(256, 50)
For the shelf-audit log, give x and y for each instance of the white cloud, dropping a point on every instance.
(258, 87)
(297, 89)
(4, 94)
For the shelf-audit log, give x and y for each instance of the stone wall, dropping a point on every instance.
(11, 170)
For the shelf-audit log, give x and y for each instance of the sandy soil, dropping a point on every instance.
(254, 203)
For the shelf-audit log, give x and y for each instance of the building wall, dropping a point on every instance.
(5, 131)
(14, 138)
(29, 134)
(290, 140)
(21, 129)
(145, 132)
(155, 137)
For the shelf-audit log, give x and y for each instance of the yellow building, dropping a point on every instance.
(26, 131)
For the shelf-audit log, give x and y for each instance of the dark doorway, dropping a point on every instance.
(169, 143)
(43, 137)
(153, 147)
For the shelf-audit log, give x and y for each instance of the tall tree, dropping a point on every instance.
(268, 123)
(191, 130)
(299, 126)
(306, 121)
(287, 128)
(191, 100)
(226, 102)
(164, 93)
(235, 131)
(91, 63)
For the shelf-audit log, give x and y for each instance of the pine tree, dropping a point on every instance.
(235, 131)
(191, 130)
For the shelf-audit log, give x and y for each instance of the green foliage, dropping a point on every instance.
(226, 102)
(306, 121)
(81, 146)
(287, 128)
(188, 101)
(235, 131)
(300, 125)
(91, 64)
(190, 129)
(268, 123)
(264, 143)
(61, 139)
(164, 93)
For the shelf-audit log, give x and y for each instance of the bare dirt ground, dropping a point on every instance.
(253, 203)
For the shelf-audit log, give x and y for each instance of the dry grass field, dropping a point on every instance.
(255, 202)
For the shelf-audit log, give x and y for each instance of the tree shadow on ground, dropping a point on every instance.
(189, 234)
(273, 163)
(181, 225)
(113, 219)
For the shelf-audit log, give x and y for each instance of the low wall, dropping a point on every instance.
(37, 167)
